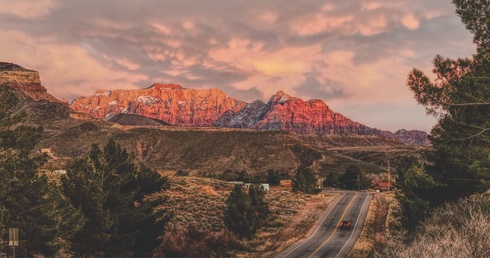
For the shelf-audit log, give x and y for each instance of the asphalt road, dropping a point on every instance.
(328, 240)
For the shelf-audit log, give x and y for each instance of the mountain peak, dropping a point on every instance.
(280, 97)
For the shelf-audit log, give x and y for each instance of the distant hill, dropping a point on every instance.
(130, 119)
(70, 133)
(180, 106)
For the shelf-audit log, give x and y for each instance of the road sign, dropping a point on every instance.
(13, 237)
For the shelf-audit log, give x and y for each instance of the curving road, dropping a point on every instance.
(328, 240)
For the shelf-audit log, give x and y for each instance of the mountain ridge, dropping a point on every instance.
(176, 105)
(180, 106)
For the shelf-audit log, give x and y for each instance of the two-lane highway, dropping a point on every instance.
(328, 240)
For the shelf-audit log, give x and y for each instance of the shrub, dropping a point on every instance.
(456, 230)
(182, 173)
(197, 242)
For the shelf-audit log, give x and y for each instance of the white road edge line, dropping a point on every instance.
(333, 205)
(360, 212)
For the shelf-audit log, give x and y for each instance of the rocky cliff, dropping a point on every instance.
(176, 105)
(167, 102)
(26, 81)
(287, 113)
(212, 107)
(407, 137)
(413, 137)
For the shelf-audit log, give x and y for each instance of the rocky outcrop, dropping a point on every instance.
(167, 102)
(407, 137)
(14, 74)
(176, 105)
(287, 113)
(26, 81)
(413, 137)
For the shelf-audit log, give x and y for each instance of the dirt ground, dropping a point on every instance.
(373, 236)
(300, 225)
(201, 202)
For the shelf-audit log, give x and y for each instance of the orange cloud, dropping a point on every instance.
(26, 8)
(65, 69)
(410, 22)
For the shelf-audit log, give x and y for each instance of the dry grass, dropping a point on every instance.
(293, 215)
(459, 229)
(196, 201)
(200, 202)
(374, 234)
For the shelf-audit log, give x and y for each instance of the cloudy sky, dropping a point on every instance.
(355, 55)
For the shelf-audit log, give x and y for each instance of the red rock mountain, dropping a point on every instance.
(287, 113)
(175, 105)
(167, 102)
(212, 107)
(408, 137)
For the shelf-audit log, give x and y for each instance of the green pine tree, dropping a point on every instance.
(460, 98)
(459, 164)
(235, 217)
(259, 208)
(27, 201)
(305, 181)
(246, 213)
(354, 178)
(109, 190)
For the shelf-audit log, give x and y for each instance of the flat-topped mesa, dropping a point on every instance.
(280, 97)
(26, 81)
(165, 86)
(15, 74)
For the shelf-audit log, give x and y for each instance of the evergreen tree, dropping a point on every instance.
(331, 179)
(259, 209)
(235, 217)
(416, 187)
(354, 178)
(109, 190)
(273, 177)
(305, 181)
(27, 201)
(246, 213)
(460, 99)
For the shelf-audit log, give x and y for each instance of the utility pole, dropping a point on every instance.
(389, 176)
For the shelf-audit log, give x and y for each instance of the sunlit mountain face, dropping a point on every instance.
(353, 55)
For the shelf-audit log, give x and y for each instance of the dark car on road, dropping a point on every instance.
(345, 224)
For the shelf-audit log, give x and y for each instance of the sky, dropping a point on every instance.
(355, 55)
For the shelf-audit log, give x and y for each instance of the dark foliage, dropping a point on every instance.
(274, 177)
(459, 164)
(27, 201)
(354, 179)
(246, 213)
(194, 242)
(305, 181)
(332, 179)
(109, 191)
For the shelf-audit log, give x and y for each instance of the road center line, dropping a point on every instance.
(335, 230)
(360, 212)
(321, 223)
